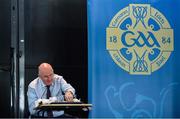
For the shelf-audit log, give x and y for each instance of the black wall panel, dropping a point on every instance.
(56, 32)
(5, 43)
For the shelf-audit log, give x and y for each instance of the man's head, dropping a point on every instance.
(46, 73)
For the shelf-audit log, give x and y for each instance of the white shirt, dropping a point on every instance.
(37, 90)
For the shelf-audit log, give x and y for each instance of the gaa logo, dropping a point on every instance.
(139, 39)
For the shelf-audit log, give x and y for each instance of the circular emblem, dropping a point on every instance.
(139, 39)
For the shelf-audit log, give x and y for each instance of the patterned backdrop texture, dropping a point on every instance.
(134, 58)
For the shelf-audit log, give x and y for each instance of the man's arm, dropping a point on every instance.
(68, 90)
(32, 97)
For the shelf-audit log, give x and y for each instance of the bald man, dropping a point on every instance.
(59, 89)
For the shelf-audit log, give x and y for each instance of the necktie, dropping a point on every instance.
(48, 94)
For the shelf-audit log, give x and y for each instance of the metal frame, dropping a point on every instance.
(14, 62)
(17, 59)
(21, 58)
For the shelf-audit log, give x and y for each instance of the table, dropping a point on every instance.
(63, 106)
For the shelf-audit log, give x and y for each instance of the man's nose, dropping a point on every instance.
(48, 77)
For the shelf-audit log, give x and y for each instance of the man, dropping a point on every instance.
(51, 86)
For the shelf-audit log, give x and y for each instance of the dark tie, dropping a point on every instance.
(48, 94)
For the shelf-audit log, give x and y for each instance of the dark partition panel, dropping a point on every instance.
(5, 38)
(56, 32)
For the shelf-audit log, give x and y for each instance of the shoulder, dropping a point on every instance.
(34, 83)
(58, 78)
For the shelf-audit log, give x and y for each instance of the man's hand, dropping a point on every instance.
(68, 96)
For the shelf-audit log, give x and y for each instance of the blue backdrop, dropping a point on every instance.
(133, 58)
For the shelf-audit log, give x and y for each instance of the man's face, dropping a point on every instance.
(47, 76)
